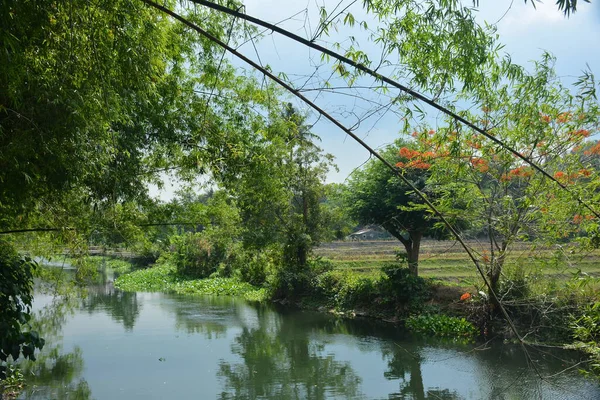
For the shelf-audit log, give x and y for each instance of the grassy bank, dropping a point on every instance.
(163, 278)
(550, 299)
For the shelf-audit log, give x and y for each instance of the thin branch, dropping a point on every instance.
(397, 85)
(395, 170)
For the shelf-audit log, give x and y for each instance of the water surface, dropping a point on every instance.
(117, 345)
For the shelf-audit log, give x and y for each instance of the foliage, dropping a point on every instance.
(376, 196)
(163, 278)
(195, 256)
(337, 220)
(214, 249)
(345, 290)
(506, 199)
(12, 384)
(436, 46)
(255, 267)
(280, 194)
(16, 294)
(402, 287)
(586, 333)
(442, 325)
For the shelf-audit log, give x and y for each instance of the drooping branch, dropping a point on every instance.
(68, 228)
(395, 170)
(405, 89)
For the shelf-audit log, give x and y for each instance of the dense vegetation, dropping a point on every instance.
(97, 100)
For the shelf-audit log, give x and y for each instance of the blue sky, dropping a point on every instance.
(525, 31)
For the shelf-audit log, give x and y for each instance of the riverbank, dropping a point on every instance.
(186, 346)
(424, 305)
(560, 317)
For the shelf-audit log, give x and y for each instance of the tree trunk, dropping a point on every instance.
(494, 273)
(412, 250)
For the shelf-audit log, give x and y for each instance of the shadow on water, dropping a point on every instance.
(166, 346)
(282, 361)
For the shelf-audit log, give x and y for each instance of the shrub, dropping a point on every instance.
(586, 332)
(254, 267)
(197, 255)
(515, 285)
(345, 290)
(399, 286)
(16, 287)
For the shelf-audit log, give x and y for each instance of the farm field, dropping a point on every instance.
(447, 260)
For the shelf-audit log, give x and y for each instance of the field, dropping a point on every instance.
(448, 261)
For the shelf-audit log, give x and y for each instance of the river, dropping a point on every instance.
(116, 345)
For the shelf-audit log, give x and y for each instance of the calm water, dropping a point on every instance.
(115, 345)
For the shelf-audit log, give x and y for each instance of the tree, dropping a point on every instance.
(510, 201)
(337, 219)
(16, 295)
(376, 196)
(280, 196)
(96, 99)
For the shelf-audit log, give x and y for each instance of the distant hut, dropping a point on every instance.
(369, 233)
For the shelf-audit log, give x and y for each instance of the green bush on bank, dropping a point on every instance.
(586, 333)
(164, 278)
(12, 385)
(396, 291)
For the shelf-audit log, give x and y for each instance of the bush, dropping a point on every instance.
(16, 287)
(586, 332)
(400, 287)
(515, 285)
(253, 267)
(345, 290)
(196, 255)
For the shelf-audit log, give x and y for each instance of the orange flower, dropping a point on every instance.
(522, 171)
(585, 172)
(559, 175)
(564, 117)
(408, 153)
(465, 296)
(581, 133)
(577, 219)
(418, 164)
(480, 164)
(593, 150)
(546, 119)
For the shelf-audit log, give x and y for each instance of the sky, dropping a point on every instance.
(525, 32)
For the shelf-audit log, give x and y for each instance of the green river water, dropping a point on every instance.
(116, 345)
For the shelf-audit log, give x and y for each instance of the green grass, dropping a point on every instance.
(162, 278)
(446, 260)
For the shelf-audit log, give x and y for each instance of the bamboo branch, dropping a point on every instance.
(405, 89)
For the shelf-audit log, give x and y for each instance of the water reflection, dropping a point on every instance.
(124, 345)
(122, 307)
(281, 360)
(57, 373)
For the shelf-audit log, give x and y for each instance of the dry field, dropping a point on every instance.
(448, 261)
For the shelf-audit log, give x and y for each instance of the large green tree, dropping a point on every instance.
(375, 195)
(96, 99)
(544, 121)
(280, 194)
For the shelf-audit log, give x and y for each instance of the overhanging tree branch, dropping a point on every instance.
(407, 90)
(395, 170)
